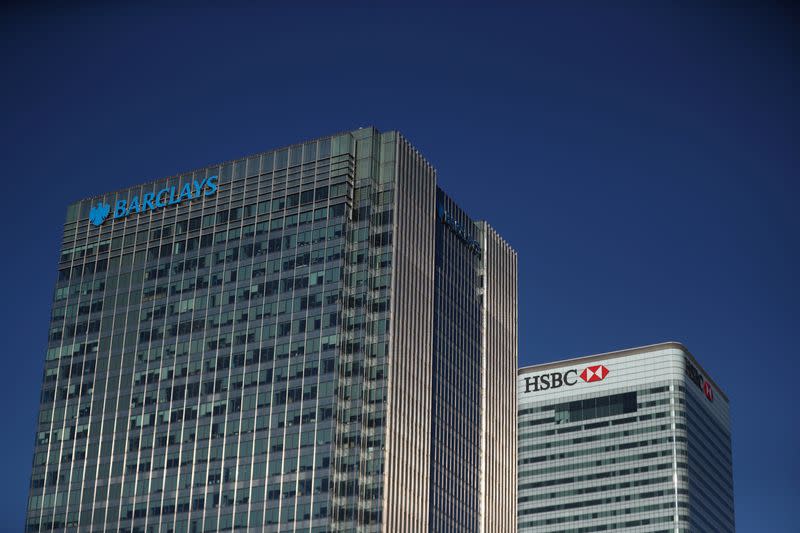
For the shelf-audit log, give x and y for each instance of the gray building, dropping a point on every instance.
(635, 440)
(315, 338)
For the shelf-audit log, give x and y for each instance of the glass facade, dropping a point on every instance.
(456, 399)
(638, 448)
(228, 353)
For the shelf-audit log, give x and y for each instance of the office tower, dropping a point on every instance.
(634, 440)
(314, 338)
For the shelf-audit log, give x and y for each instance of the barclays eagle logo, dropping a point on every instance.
(99, 213)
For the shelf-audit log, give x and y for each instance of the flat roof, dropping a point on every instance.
(622, 353)
(152, 181)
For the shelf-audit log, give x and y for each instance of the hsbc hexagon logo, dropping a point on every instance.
(568, 378)
(591, 374)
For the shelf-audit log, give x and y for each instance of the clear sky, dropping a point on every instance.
(642, 160)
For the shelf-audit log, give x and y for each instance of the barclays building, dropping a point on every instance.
(314, 338)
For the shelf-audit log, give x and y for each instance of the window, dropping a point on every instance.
(590, 408)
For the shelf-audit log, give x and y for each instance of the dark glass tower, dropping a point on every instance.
(309, 339)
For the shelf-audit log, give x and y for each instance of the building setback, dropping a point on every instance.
(314, 338)
(635, 440)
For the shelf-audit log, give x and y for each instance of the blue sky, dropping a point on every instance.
(642, 160)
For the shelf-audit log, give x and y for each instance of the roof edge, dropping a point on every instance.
(624, 353)
(152, 181)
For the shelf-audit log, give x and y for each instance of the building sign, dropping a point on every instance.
(555, 380)
(697, 378)
(152, 201)
(457, 228)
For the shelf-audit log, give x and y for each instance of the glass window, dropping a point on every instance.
(281, 159)
(295, 155)
(324, 148)
(309, 152)
(598, 407)
(267, 161)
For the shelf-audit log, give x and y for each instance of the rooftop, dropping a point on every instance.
(622, 353)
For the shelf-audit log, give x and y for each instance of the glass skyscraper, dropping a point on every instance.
(314, 338)
(636, 440)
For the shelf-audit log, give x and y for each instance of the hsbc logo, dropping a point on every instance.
(697, 378)
(708, 391)
(591, 374)
(569, 378)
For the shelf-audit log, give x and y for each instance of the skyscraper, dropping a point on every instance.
(314, 338)
(635, 440)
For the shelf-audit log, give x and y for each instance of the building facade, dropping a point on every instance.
(635, 440)
(314, 338)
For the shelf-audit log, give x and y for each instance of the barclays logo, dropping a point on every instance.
(99, 213)
(152, 201)
(448, 220)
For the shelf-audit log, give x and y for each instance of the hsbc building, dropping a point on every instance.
(634, 440)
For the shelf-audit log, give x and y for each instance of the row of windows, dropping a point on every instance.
(270, 328)
(617, 473)
(287, 513)
(194, 445)
(602, 462)
(630, 497)
(641, 392)
(224, 216)
(632, 484)
(75, 390)
(600, 450)
(170, 312)
(607, 423)
(641, 522)
(598, 407)
(280, 396)
(212, 364)
(290, 417)
(266, 334)
(163, 251)
(594, 438)
(146, 479)
(218, 363)
(132, 279)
